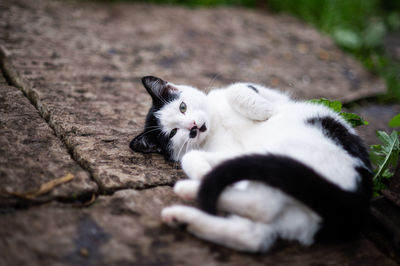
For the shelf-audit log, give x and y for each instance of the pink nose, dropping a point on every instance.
(192, 125)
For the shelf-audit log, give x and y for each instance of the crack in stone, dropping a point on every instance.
(13, 79)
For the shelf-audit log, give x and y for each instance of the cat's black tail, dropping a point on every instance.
(343, 212)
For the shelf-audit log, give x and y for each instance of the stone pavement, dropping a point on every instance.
(71, 191)
(32, 155)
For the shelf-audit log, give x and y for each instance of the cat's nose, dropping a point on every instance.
(192, 125)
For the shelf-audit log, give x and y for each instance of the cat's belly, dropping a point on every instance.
(302, 143)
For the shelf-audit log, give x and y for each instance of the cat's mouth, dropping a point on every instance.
(194, 131)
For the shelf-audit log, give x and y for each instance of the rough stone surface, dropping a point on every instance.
(31, 155)
(125, 229)
(378, 117)
(80, 63)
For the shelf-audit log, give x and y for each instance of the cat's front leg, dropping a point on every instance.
(255, 102)
(196, 164)
(187, 189)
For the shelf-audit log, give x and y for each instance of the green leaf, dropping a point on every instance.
(377, 156)
(374, 33)
(391, 150)
(378, 186)
(347, 38)
(387, 174)
(353, 119)
(384, 137)
(377, 147)
(334, 105)
(385, 157)
(395, 122)
(393, 21)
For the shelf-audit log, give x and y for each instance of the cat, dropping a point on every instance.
(260, 165)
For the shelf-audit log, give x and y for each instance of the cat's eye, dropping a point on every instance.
(182, 107)
(173, 132)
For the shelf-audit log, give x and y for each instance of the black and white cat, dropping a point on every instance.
(304, 172)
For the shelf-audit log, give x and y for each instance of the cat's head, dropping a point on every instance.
(178, 120)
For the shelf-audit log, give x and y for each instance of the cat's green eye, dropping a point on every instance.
(182, 107)
(173, 132)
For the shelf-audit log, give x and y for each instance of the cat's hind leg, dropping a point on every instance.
(257, 202)
(235, 232)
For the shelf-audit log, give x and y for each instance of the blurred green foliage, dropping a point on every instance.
(357, 26)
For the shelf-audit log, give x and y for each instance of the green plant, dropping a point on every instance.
(383, 156)
(353, 119)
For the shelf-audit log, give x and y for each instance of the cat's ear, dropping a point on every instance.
(145, 144)
(158, 88)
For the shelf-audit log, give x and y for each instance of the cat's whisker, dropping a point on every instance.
(150, 131)
(211, 83)
(161, 99)
(156, 84)
(179, 153)
(188, 145)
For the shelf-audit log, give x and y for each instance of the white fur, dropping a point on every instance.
(240, 121)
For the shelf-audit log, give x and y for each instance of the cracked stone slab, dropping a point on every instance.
(81, 63)
(31, 155)
(125, 229)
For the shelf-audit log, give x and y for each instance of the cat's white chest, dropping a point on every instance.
(229, 129)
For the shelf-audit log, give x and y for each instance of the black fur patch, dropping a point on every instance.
(343, 212)
(342, 137)
(253, 88)
(152, 140)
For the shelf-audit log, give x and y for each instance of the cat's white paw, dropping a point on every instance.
(178, 214)
(187, 189)
(168, 216)
(194, 165)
